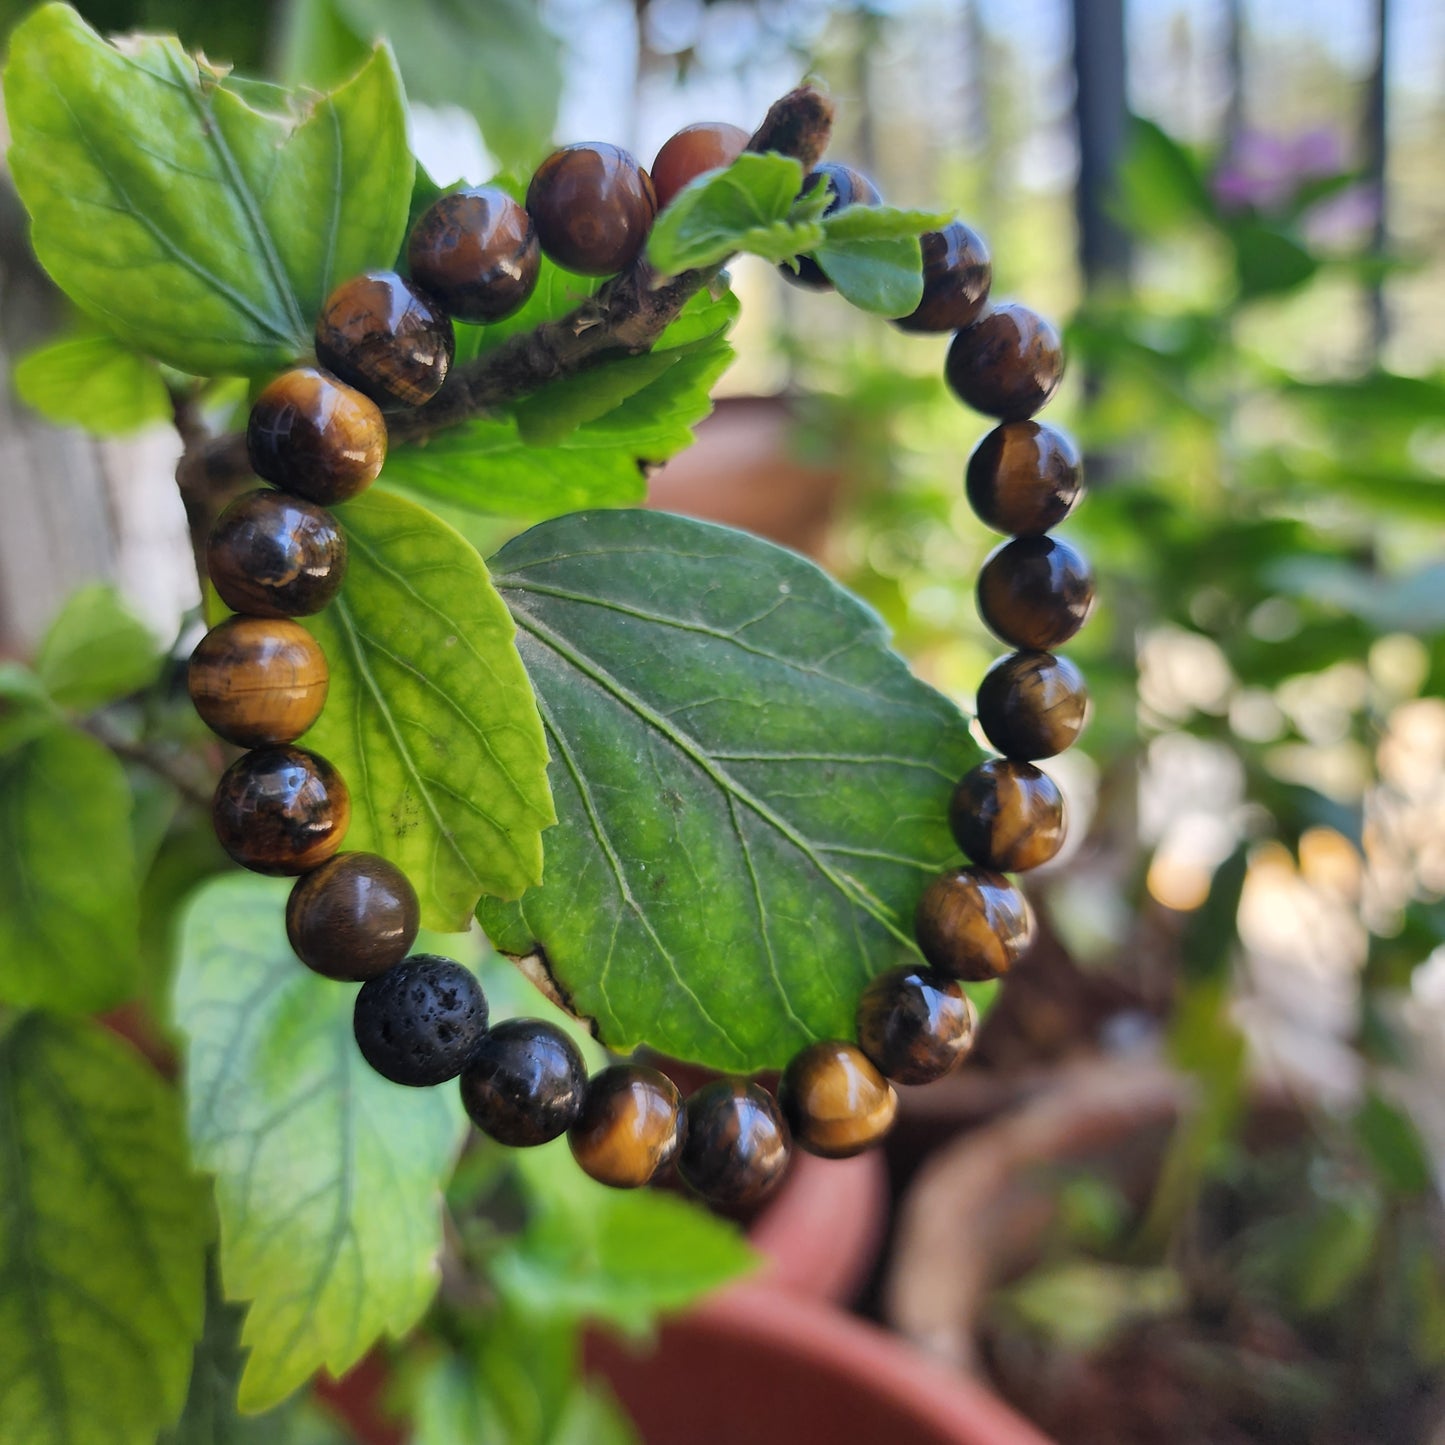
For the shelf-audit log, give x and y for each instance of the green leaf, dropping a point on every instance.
(197, 227)
(430, 715)
(873, 256)
(102, 1241)
(1393, 1145)
(328, 1177)
(745, 207)
(557, 293)
(26, 709)
(752, 787)
(1267, 261)
(1161, 186)
(68, 917)
(92, 380)
(96, 651)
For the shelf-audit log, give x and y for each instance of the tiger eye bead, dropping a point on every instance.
(957, 272)
(836, 1102)
(694, 150)
(848, 188)
(352, 918)
(316, 436)
(476, 252)
(1007, 364)
(737, 1146)
(281, 810)
(1032, 705)
(380, 334)
(524, 1083)
(630, 1128)
(274, 555)
(593, 207)
(1024, 478)
(258, 680)
(916, 1025)
(973, 924)
(1035, 592)
(1007, 815)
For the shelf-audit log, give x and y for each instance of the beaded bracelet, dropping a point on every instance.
(259, 679)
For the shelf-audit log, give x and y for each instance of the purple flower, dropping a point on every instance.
(1264, 172)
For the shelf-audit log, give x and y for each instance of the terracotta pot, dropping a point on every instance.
(760, 1367)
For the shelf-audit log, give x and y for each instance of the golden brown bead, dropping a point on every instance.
(281, 810)
(352, 918)
(1032, 705)
(274, 555)
(1035, 592)
(693, 151)
(258, 680)
(836, 1103)
(316, 436)
(957, 272)
(630, 1128)
(1024, 478)
(593, 207)
(475, 251)
(1007, 815)
(1007, 364)
(736, 1150)
(380, 334)
(973, 924)
(916, 1025)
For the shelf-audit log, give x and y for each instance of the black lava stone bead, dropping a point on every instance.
(420, 1022)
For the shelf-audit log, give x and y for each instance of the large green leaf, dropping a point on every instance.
(90, 379)
(102, 1241)
(430, 717)
(752, 786)
(96, 650)
(199, 220)
(327, 1176)
(68, 915)
(873, 256)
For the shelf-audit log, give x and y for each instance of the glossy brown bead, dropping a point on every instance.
(836, 1102)
(630, 1128)
(973, 924)
(258, 680)
(524, 1083)
(957, 272)
(915, 1024)
(281, 810)
(475, 251)
(694, 150)
(849, 188)
(1024, 478)
(387, 339)
(593, 207)
(1007, 364)
(352, 918)
(1032, 705)
(316, 436)
(275, 555)
(736, 1150)
(1007, 815)
(1035, 592)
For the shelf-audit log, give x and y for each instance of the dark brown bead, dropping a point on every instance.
(475, 251)
(1035, 592)
(593, 207)
(258, 680)
(849, 188)
(380, 334)
(1024, 478)
(694, 150)
(524, 1083)
(916, 1025)
(737, 1147)
(316, 436)
(957, 272)
(1007, 815)
(352, 918)
(281, 810)
(1032, 705)
(274, 555)
(630, 1128)
(973, 924)
(836, 1103)
(1007, 364)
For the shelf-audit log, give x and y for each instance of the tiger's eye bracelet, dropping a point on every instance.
(259, 679)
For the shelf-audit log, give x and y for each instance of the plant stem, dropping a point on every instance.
(165, 768)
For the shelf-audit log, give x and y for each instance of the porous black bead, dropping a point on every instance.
(476, 252)
(849, 188)
(1024, 478)
(1032, 705)
(957, 272)
(737, 1146)
(1035, 592)
(525, 1083)
(1007, 364)
(419, 1022)
(275, 555)
(915, 1024)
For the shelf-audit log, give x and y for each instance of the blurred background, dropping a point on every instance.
(1189, 1191)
